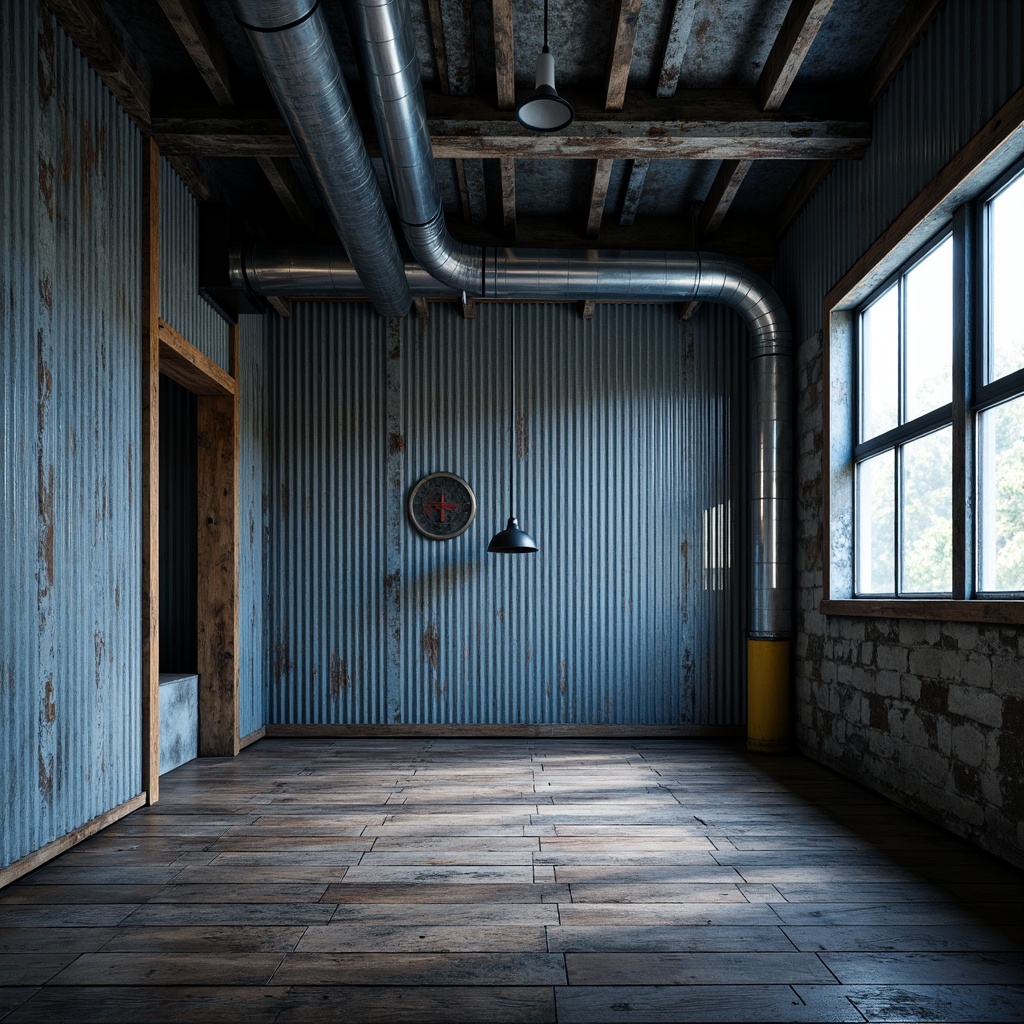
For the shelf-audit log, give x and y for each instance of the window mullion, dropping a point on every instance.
(963, 449)
(901, 418)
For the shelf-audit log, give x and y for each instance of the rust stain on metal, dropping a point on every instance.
(129, 475)
(432, 645)
(501, 614)
(252, 529)
(686, 579)
(45, 775)
(522, 438)
(281, 662)
(339, 675)
(46, 172)
(46, 292)
(98, 645)
(89, 155)
(394, 336)
(396, 443)
(44, 57)
(563, 677)
(49, 706)
(67, 150)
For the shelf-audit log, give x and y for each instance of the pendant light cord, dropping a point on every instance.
(512, 403)
(545, 25)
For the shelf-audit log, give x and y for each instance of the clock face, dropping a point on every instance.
(442, 506)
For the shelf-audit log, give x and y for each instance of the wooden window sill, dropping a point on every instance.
(997, 612)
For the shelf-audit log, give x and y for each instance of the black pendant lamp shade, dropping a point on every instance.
(512, 540)
(544, 110)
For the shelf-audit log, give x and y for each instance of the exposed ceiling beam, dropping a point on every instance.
(508, 197)
(194, 27)
(471, 190)
(807, 183)
(504, 54)
(627, 18)
(111, 53)
(915, 17)
(196, 180)
(598, 194)
(586, 309)
(634, 190)
(289, 189)
(283, 307)
(799, 29)
(676, 41)
(721, 195)
(722, 131)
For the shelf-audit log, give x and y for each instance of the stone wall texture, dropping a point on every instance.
(929, 713)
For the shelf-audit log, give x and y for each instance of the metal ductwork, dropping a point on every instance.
(293, 45)
(392, 77)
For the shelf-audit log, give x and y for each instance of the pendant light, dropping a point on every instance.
(512, 540)
(544, 110)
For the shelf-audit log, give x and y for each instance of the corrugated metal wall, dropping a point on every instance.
(967, 64)
(70, 646)
(252, 525)
(627, 425)
(181, 305)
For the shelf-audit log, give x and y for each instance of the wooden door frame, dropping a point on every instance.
(166, 352)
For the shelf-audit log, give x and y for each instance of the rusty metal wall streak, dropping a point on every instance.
(618, 422)
(70, 647)
(253, 498)
(181, 305)
(968, 63)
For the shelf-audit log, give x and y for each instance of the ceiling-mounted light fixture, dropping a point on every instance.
(512, 540)
(544, 110)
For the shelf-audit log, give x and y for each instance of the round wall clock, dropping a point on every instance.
(442, 506)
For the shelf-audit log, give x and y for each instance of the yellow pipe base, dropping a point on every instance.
(768, 696)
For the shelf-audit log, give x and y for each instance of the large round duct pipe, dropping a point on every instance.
(293, 45)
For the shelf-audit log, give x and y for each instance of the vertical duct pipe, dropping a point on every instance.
(384, 35)
(293, 45)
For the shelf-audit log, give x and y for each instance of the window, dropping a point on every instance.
(926, 463)
(904, 464)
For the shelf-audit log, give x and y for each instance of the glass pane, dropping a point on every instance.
(879, 350)
(927, 514)
(1001, 497)
(1006, 271)
(929, 368)
(876, 525)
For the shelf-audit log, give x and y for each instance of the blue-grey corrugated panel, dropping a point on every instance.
(181, 305)
(179, 512)
(252, 524)
(326, 398)
(373, 623)
(968, 63)
(70, 645)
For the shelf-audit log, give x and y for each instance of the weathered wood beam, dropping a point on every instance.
(634, 190)
(728, 127)
(504, 54)
(801, 25)
(468, 304)
(422, 308)
(437, 35)
(676, 41)
(194, 27)
(687, 310)
(193, 174)
(721, 195)
(286, 184)
(586, 309)
(283, 307)
(470, 176)
(150, 470)
(598, 194)
(807, 183)
(627, 19)
(111, 53)
(915, 17)
(508, 197)
(186, 365)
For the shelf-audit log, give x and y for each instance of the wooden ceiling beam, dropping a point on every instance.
(634, 190)
(194, 27)
(289, 190)
(799, 29)
(627, 19)
(111, 53)
(676, 41)
(721, 195)
(505, 82)
(598, 195)
(591, 137)
(915, 17)
(508, 197)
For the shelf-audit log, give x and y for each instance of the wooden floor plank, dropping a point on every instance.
(459, 880)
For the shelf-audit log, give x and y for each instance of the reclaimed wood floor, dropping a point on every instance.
(545, 880)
